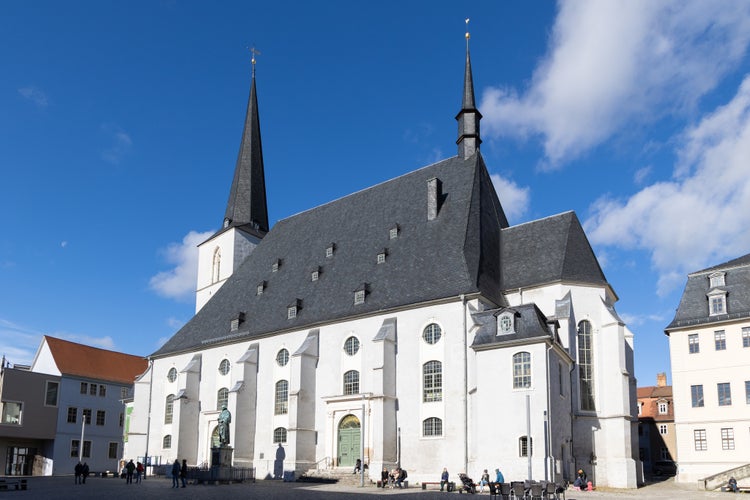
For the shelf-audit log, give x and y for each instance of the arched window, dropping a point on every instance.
(281, 406)
(586, 366)
(216, 268)
(525, 446)
(432, 333)
(222, 398)
(432, 381)
(432, 426)
(167, 442)
(279, 435)
(351, 382)
(169, 409)
(521, 370)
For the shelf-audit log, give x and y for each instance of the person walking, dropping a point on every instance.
(176, 474)
(129, 469)
(183, 472)
(78, 470)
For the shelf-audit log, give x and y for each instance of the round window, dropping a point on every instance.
(172, 375)
(432, 333)
(282, 357)
(351, 346)
(224, 366)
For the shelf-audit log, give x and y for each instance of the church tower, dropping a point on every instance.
(246, 217)
(468, 118)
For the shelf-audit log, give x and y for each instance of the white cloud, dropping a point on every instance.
(514, 199)
(700, 217)
(641, 175)
(610, 63)
(179, 282)
(121, 144)
(34, 95)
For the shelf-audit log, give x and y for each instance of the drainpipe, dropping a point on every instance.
(148, 420)
(465, 391)
(549, 470)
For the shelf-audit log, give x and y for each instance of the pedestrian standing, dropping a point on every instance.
(84, 472)
(183, 472)
(78, 470)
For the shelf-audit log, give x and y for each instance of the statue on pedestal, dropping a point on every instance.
(224, 419)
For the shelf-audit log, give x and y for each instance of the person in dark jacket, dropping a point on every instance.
(183, 472)
(444, 477)
(384, 475)
(78, 470)
(85, 472)
(176, 474)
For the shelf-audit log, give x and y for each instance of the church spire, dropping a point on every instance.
(247, 196)
(469, 116)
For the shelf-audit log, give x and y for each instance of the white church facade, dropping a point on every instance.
(406, 324)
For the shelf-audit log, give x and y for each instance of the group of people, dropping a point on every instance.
(133, 469)
(179, 472)
(393, 478)
(81, 472)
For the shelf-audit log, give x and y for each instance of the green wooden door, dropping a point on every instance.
(349, 441)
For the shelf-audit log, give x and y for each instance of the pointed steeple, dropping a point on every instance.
(247, 196)
(469, 116)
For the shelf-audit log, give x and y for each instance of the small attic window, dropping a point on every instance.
(716, 279)
(505, 324)
(227, 221)
(276, 265)
(330, 249)
(315, 274)
(393, 233)
(235, 323)
(261, 288)
(381, 256)
(360, 293)
(293, 308)
(717, 302)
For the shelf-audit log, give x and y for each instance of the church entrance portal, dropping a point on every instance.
(350, 436)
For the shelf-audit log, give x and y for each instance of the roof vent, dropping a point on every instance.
(434, 197)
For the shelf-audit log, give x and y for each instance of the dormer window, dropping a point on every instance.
(330, 249)
(235, 323)
(359, 294)
(716, 279)
(261, 288)
(393, 233)
(227, 221)
(315, 274)
(717, 302)
(293, 308)
(276, 265)
(506, 323)
(381, 256)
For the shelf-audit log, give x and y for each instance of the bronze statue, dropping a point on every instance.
(224, 419)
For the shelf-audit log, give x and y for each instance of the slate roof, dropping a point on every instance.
(693, 309)
(530, 323)
(456, 253)
(549, 250)
(84, 361)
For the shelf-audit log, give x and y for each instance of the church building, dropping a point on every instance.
(407, 324)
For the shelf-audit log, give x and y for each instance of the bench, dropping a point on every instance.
(17, 484)
(450, 485)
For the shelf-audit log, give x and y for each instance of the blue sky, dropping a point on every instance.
(120, 125)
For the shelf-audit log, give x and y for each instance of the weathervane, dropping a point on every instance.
(255, 52)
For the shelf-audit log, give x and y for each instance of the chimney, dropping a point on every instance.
(434, 197)
(661, 379)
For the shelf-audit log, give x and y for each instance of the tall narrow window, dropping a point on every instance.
(720, 340)
(746, 336)
(586, 365)
(699, 438)
(51, 394)
(279, 435)
(166, 443)
(101, 416)
(87, 415)
(432, 427)
(727, 439)
(525, 446)
(522, 370)
(112, 452)
(281, 404)
(169, 409)
(725, 394)
(75, 445)
(696, 395)
(432, 381)
(84, 387)
(72, 414)
(222, 398)
(351, 382)
(747, 391)
(216, 267)
(693, 345)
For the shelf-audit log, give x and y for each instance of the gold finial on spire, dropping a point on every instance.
(467, 30)
(255, 52)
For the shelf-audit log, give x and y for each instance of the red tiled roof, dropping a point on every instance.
(91, 362)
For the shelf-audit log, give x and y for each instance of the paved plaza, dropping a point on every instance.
(160, 488)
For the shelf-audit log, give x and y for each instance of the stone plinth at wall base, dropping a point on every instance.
(221, 456)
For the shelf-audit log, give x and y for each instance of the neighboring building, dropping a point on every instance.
(92, 385)
(656, 432)
(28, 422)
(408, 320)
(709, 345)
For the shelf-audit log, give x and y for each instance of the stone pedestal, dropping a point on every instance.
(221, 456)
